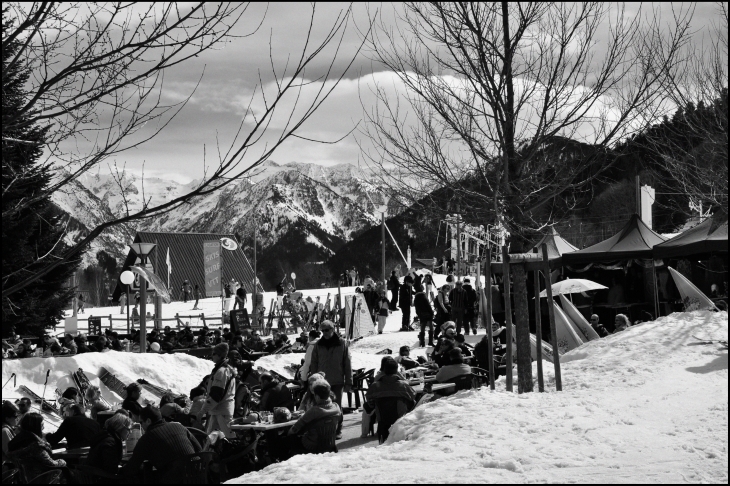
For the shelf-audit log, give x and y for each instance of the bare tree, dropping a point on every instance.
(693, 145)
(97, 75)
(512, 106)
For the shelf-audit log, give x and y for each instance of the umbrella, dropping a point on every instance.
(573, 286)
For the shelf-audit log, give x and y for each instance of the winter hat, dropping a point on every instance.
(466, 280)
(155, 347)
(221, 349)
(448, 324)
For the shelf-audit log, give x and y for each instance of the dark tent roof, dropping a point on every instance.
(556, 244)
(186, 259)
(635, 240)
(707, 237)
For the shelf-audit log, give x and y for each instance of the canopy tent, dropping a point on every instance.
(710, 236)
(556, 244)
(635, 240)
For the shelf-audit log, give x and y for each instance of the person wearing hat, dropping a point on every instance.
(220, 393)
(394, 287)
(331, 355)
(163, 444)
(470, 308)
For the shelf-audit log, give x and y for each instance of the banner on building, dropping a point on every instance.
(212, 268)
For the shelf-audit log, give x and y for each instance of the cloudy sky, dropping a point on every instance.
(230, 73)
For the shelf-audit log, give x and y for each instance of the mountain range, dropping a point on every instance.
(316, 208)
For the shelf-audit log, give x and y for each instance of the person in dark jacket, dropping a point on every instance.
(443, 309)
(425, 317)
(162, 444)
(470, 308)
(391, 385)
(371, 300)
(331, 356)
(406, 301)
(107, 446)
(30, 450)
(598, 327)
(394, 287)
(274, 394)
(78, 429)
(81, 344)
(418, 283)
(457, 297)
(131, 403)
(304, 432)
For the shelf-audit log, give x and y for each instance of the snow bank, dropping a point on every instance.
(283, 363)
(644, 405)
(178, 372)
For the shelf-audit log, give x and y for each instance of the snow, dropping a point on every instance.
(178, 372)
(644, 405)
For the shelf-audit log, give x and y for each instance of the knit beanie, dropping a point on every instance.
(221, 349)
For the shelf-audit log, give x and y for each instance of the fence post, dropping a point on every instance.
(111, 323)
(551, 315)
(538, 330)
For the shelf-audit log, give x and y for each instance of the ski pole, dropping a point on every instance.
(12, 377)
(48, 372)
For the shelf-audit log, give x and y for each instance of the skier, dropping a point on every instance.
(196, 294)
(185, 289)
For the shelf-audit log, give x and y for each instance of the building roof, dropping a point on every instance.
(707, 237)
(186, 259)
(556, 244)
(635, 240)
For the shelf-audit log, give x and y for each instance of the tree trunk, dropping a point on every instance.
(522, 322)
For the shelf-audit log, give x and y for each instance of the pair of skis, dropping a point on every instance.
(83, 384)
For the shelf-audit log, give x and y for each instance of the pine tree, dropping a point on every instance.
(36, 233)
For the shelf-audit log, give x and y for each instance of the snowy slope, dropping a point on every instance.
(640, 406)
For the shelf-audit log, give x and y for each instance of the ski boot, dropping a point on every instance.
(430, 338)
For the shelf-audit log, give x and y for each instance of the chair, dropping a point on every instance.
(326, 429)
(359, 378)
(93, 475)
(462, 382)
(480, 376)
(387, 412)
(49, 477)
(11, 476)
(200, 435)
(192, 469)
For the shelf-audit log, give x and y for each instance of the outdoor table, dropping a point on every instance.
(436, 387)
(260, 427)
(427, 379)
(72, 455)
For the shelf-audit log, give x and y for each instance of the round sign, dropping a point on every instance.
(127, 277)
(293, 276)
(228, 244)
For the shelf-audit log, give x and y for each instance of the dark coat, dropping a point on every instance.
(105, 452)
(274, 395)
(162, 444)
(393, 283)
(78, 432)
(405, 298)
(332, 356)
(471, 300)
(418, 283)
(457, 297)
(391, 386)
(424, 311)
(33, 454)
